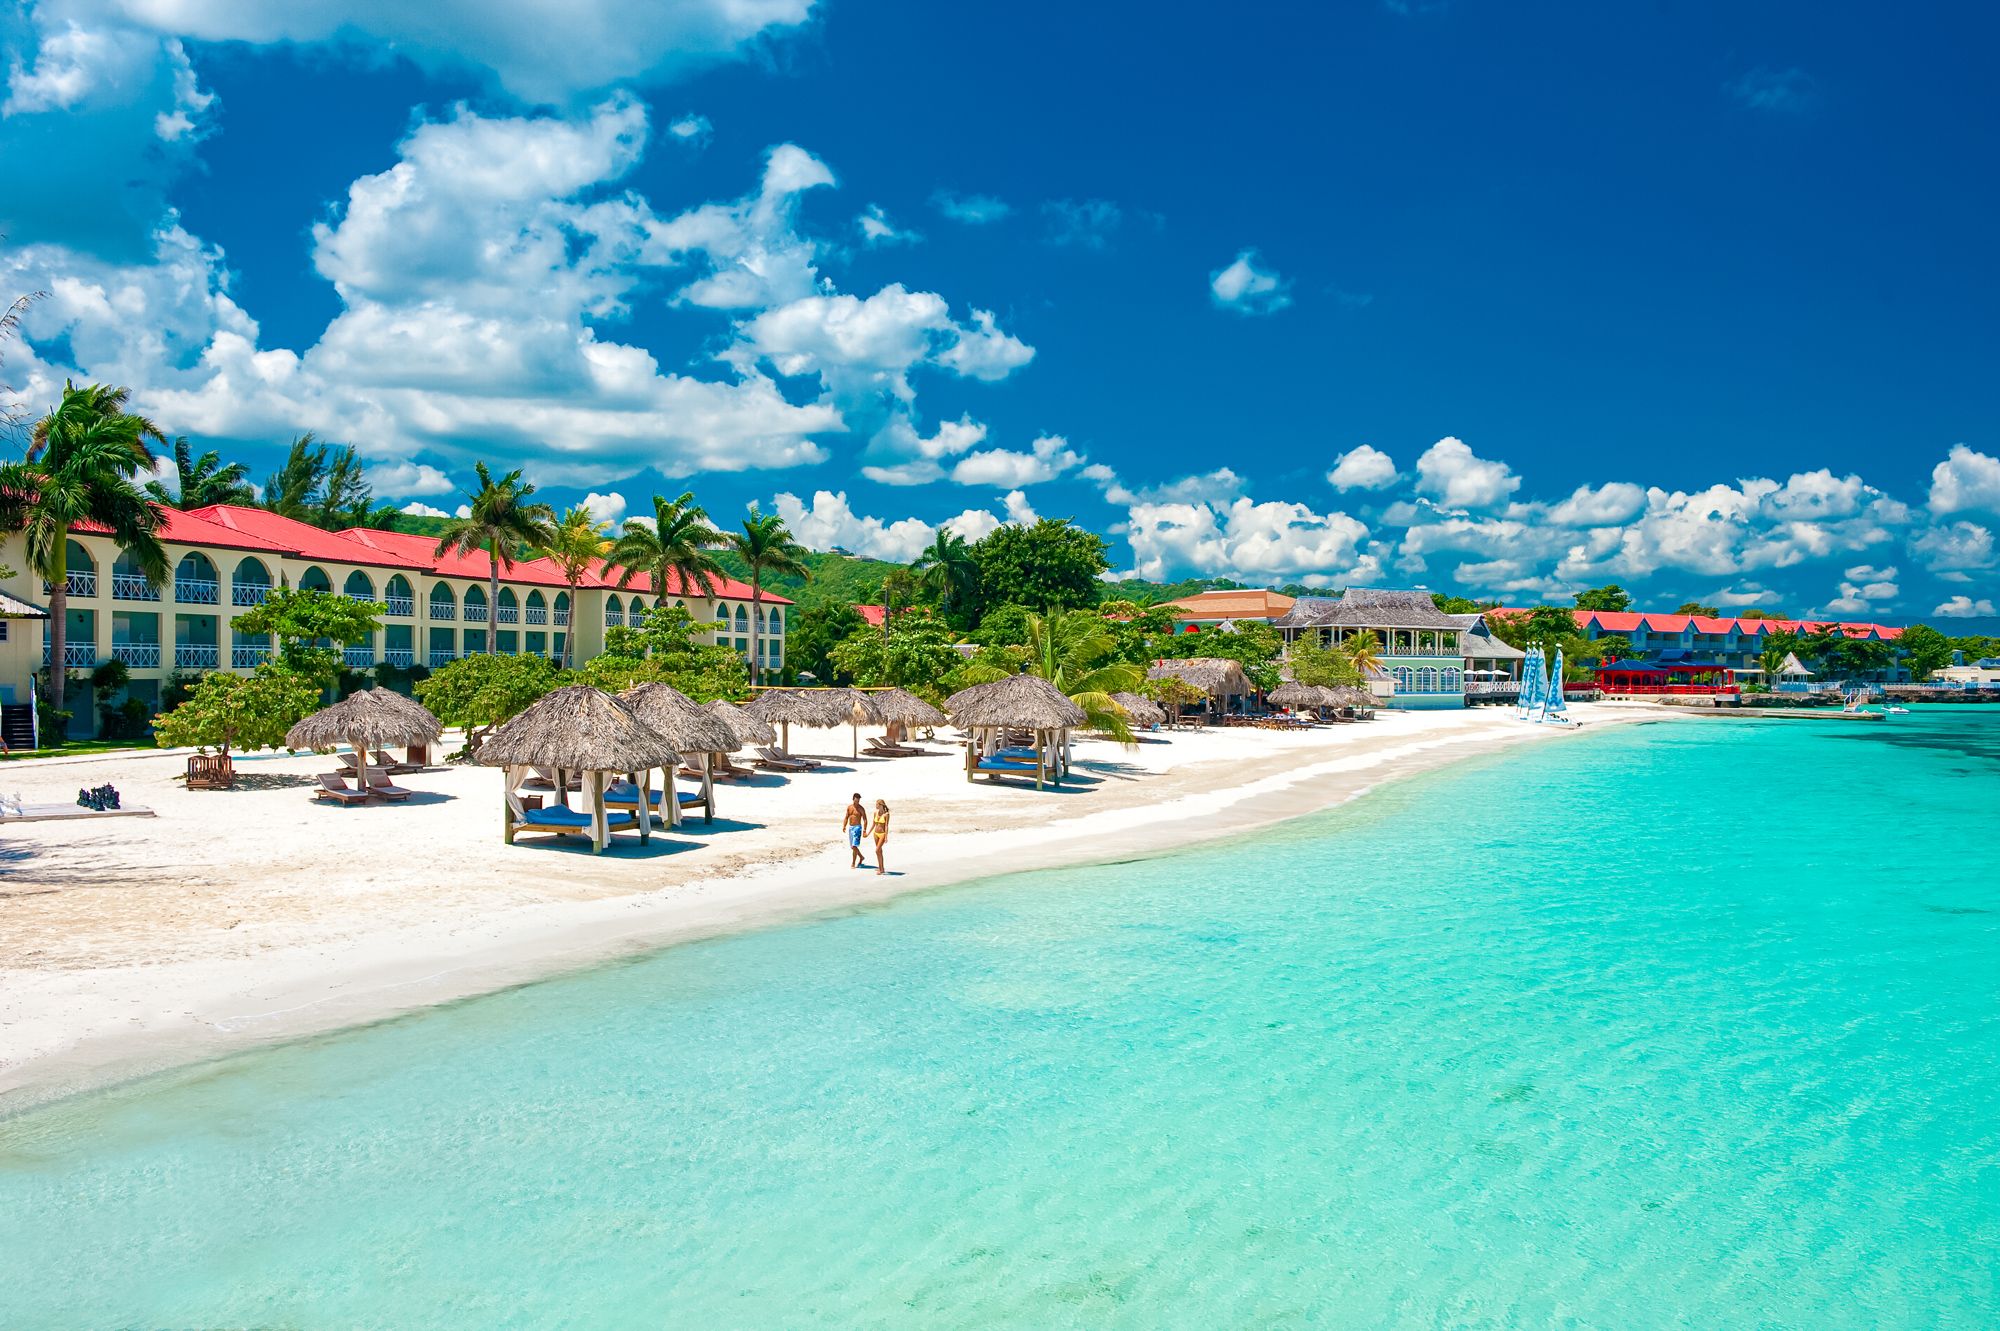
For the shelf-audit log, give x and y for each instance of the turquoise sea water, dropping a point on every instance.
(1688, 1025)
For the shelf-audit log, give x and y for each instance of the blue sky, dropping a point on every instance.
(1501, 299)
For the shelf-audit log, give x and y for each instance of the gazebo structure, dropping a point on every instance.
(368, 721)
(1140, 711)
(693, 731)
(1219, 677)
(583, 730)
(1668, 675)
(1793, 677)
(1025, 703)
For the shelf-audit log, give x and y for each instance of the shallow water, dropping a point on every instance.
(1687, 1025)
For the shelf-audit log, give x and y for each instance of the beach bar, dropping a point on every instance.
(1676, 677)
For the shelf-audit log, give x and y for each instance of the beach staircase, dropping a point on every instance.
(17, 725)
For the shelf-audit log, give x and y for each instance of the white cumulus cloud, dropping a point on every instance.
(1047, 458)
(1247, 287)
(1966, 479)
(1964, 607)
(1458, 478)
(1363, 468)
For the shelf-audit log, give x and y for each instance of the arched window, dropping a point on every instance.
(475, 604)
(400, 599)
(742, 620)
(614, 613)
(774, 621)
(314, 579)
(250, 583)
(443, 604)
(509, 608)
(562, 609)
(196, 580)
(537, 608)
(722, 614)
(1453, 682)
(1402, 677)
(358, 587)
(1427, 680)
(129, 582)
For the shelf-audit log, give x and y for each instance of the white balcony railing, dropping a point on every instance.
(537, 614)
(75, 654)
(562, 618)
(399, 656)
(402, 607)
(196, 656)
(197, 591)
(132, 587)
(139, 655)
(443, 610)
(440, 656)
(367, 598)
(248, 593)
(248, 656)
(475, 614)
(75, 584)
(358, 658)
(510, 614)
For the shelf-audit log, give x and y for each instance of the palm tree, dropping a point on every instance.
(325, 485)
(674, 546)
(1364, 649)
(574, 544)
(500, 519)
(203, 480)
(83, 463)
(766, 545)
(947, 570)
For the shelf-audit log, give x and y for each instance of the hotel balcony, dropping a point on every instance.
(194, 591)
(248, 593)
(197, 656)
(402, 607)
(399, 656)
(358, 658)
(248, 656)
(443, 610)
(76, 584)
(535, 614)
(475, 614)
(137, 655)
(132, 587)
(509, 615)
(561, 619)
(440, 657)
(76, 655)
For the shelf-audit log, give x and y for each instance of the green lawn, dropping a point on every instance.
(80, 748)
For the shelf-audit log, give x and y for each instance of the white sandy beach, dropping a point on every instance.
(258, 914)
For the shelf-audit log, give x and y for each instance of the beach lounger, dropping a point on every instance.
(781, 761)
(561, 819)
(626, 794)
(544, 779)
(380, 784)
(333, 786)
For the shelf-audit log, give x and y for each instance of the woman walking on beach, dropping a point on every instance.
(881, 830)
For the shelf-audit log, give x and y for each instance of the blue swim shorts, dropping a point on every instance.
(854, 835)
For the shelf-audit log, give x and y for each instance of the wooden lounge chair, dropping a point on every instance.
(333, 786)
(210, 771)
(780, 761)
(380, 784)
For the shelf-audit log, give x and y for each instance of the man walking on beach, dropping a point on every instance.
(853, 825)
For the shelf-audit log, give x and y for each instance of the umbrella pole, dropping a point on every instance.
(645, 806)
(708, 787)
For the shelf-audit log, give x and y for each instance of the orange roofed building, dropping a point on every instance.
(1234, 606)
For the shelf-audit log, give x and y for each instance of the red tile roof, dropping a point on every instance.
(1627, 621)
(1230, 603)
(872, 615)
(240, 527)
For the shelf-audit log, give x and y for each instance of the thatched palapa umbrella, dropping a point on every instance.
(805, 707)
(691, 729)
(1294, 694)
(367, 720)
(576, 729)
(1019, 702)
(1140, 711)
(1219, 677)
(898, 708)
(748, 729)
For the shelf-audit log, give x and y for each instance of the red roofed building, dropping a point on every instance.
(1730, 641)
(227, 557)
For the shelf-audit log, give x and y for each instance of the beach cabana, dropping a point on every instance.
(1298, 696)
(749, 730)
(368, 720)
(785, 708)
(1029, 703)
(693, 731)
(1140, 711)
(575, 729)
(1220, 678)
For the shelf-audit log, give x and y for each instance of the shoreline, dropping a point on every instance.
(88, 1027)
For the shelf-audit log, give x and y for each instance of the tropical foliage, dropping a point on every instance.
(502, 517)
(308, 625)
(813, 631)
(917, 655)
(948, 574)
(228, 711)
(676, 549)
(203, 480)
(766, 546)
(479, 692)
(574, 544)
(1076, 651)
(325, 485)
(1052, 564)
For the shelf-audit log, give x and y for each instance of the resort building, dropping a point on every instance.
(226, 558)
(1419, 644)
(1205, 610)
(1488, 660)
(1731, 642)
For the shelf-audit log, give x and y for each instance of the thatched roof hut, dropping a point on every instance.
(1023, 702)
(1294, 694)
(747, 728)
(802, 707)
(1216, 676)
(903, 708)
(1350, 695)
(1140, 711)
(578, 729)
(679, 719)
(369, 719)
